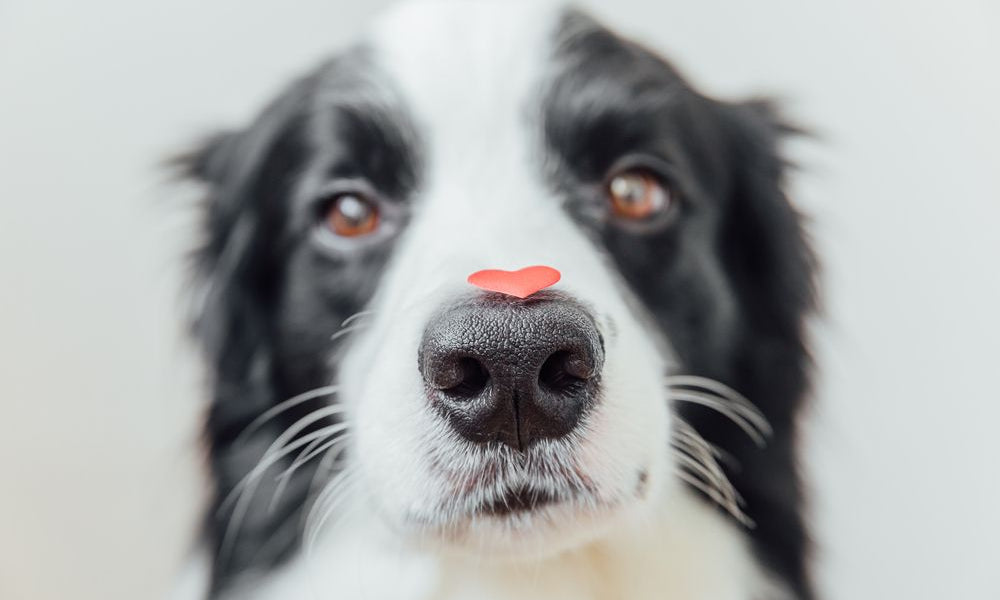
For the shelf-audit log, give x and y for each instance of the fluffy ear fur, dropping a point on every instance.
(764, 248)
(238, 272)
(763, 243)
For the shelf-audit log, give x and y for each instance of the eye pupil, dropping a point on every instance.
(637, 195)
(352, 215)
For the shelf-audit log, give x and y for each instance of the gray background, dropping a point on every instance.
(98, 491)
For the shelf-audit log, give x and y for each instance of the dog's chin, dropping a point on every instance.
(528, 533)
(522, 524)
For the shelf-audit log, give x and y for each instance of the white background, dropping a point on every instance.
(98, 485)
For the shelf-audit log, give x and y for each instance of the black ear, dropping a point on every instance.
(227, 213)
(246, 176)
(765, 249)
(764, 242)
(226, 316)
(206, 162)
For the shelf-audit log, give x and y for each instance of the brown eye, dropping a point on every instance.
(352, 215)
(637, 195)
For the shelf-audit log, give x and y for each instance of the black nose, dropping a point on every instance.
(512, 371)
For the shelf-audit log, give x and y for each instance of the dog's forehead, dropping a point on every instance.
(468, 68)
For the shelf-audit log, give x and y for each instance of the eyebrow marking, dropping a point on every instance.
(363, 126)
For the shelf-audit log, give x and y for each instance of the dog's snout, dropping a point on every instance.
(512, 371)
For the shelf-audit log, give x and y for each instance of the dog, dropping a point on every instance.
(379, 427)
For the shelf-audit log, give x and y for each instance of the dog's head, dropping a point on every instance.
(343, 223)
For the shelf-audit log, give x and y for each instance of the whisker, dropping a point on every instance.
(276, 538)
(244, 491)
(346, 330)
(747, 411)
(282, 407)
(709, 384)
(274, 454)
(696, 448)
(740, 402)
(336, 445)
(347, 326)
(330, 490)
(312, 446)
(310, 453)
(697, 469)
(724, 400)
(724, 409)
(329, 440)
(358, 315)
(338, 490)
(697, 464)
(713, 494)
(325, 464)
(711, 491)
(688, 435)
(296, 427)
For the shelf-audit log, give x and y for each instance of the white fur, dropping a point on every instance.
(683, 552)
(484, 206)
(469, 73)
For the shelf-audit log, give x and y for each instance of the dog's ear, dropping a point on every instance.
(763, 240)
(226, 316)
(765, 248)
(206, 162)
(244, 175)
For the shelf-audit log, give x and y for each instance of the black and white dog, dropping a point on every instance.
(380, 428)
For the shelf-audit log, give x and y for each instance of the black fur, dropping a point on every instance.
(275, 293)
(728, 277)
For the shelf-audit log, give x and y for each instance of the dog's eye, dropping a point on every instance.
(638, 194)
(352, 215)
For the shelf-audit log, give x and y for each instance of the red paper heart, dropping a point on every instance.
(521, 283)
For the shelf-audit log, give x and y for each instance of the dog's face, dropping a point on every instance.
(343, 225)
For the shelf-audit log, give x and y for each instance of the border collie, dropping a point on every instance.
(380, 428)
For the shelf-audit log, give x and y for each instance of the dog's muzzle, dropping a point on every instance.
(512, 371)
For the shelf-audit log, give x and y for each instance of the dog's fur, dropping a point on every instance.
(486, 130)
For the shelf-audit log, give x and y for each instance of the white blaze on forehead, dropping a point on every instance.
(472, 75)
(466, 69)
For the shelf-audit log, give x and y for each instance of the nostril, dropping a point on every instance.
(565, 372)
(512, 372)
(469, 378)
